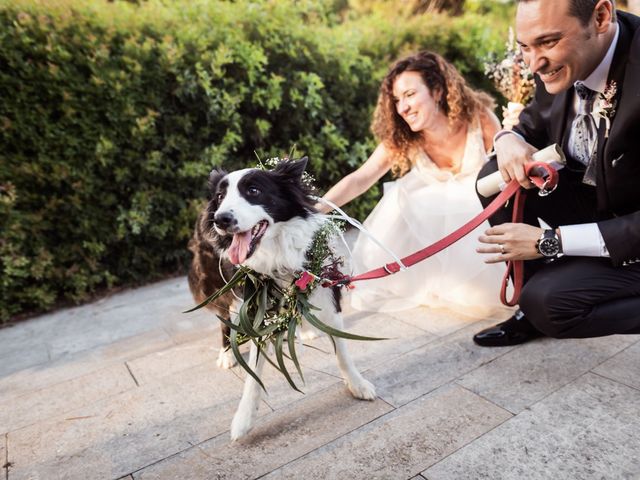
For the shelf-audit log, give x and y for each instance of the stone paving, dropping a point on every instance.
(127, 388)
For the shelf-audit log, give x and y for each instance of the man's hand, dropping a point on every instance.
(513, 153)
(510, 241)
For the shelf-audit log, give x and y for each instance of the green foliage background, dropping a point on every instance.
(113, 114)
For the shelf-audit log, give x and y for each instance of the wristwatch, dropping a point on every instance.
(549, 244)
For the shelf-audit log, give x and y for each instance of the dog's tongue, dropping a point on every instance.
(239, 247)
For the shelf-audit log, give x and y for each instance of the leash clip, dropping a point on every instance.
(544, 190)
(345, 281)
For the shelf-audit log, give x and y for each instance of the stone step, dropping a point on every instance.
(588, 429)
(278, 438)
(129, 431)
(401, 443)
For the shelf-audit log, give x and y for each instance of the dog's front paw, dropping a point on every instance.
(362, 389)
(226, 359)
(240, 425)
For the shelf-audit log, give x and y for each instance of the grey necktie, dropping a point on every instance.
(583, 138)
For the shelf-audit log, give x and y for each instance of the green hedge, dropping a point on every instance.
(112, 115)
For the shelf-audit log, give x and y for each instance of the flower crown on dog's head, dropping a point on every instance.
(271, 163)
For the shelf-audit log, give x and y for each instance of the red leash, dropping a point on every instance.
(543, 175)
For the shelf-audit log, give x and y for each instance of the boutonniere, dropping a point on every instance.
(605, 106)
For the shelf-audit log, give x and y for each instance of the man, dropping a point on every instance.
(582, 276)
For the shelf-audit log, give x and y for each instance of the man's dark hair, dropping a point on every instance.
(582, 9)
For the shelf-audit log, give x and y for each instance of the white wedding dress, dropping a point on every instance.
(415, 211)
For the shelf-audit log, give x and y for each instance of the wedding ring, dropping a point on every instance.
(501, 248)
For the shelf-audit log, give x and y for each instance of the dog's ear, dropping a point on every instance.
(214, 178)
(292, 169)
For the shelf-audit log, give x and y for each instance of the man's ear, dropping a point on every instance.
(603, 15)
(293, 170)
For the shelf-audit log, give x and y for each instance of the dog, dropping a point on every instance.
(265, 220)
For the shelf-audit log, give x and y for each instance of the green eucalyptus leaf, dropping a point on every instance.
(267, 331)
(246, 325)
(303, 299)
(291, 340)
(236, 352)
(261, 351)
(313, 320)
(280, 358)
(237, 278)
(262, 299)
(230, 324)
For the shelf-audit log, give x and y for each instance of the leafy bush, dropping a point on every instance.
(112, 115)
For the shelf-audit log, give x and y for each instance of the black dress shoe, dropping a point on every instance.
(514, 331)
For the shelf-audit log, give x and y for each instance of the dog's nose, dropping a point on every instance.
(224, 220)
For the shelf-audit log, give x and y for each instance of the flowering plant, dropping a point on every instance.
(272, 162)
(271, 311)
(513, 79)
(605, 105)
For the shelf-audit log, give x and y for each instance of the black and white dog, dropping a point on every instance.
(266, 221)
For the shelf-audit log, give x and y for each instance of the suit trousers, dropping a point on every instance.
(573, 297)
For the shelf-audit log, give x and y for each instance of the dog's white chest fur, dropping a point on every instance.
(283, 249)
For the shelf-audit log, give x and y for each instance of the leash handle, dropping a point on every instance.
(515, 268)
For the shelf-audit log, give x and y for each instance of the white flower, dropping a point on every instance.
(511, 115)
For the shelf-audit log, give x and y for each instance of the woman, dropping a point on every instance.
(434, 133)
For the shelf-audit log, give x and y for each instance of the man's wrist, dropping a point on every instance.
(502, 133)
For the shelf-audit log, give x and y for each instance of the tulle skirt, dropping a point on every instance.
(415, 211)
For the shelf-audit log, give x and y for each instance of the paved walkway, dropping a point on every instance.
(127, 388)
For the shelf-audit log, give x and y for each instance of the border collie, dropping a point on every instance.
(264, 219)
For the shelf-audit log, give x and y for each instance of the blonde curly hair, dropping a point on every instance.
(458, 101)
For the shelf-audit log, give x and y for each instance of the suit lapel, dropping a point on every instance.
(616, 74)
(559, 111)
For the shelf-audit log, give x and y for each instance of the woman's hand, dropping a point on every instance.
(513, 154)
(358, 182)
(510, 241)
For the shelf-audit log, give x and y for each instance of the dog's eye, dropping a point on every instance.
(220, 197)
(253, 191)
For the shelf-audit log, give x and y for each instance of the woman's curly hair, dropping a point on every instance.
(458, 101)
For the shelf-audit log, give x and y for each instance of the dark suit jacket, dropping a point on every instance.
(544, 122)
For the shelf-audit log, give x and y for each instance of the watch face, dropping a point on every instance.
(549, 247)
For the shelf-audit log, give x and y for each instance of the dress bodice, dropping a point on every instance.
(473, 158)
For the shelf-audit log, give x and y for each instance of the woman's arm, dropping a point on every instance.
(490, 125)
(358, 182)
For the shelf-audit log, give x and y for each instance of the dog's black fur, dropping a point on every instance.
(207, 247)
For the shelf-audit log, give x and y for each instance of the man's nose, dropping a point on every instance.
(535, 61)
